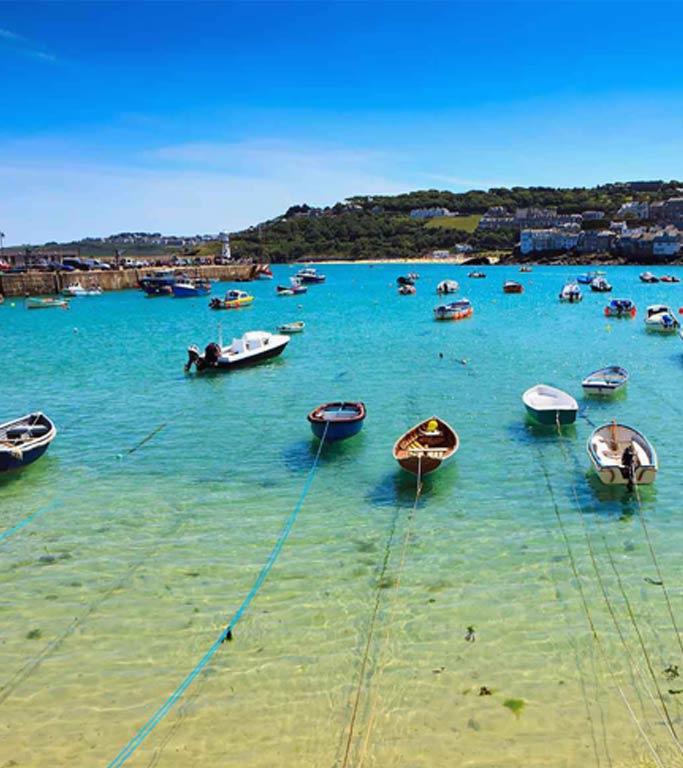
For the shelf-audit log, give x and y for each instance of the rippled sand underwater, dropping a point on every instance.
(357, 650)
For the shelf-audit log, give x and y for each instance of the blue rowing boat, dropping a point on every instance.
(24, 440)
(341, 419)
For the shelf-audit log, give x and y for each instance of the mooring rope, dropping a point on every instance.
(54, 504)
(33, 664)
(59, 502)
(226, 634)
(608, 603)
(373, 619)
(589, 618)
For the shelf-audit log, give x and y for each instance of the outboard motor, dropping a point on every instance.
(193, 355)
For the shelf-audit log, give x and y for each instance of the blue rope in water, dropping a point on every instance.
(57, 504)
(41, 511)
(164, 709)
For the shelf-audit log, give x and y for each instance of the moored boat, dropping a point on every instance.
(476, 275)
(661, 318)
(253, 347)
(620, 308)
(447, 286)
(185, 289)
(296, 327)
(570, 293)
(456, 310)
(586, 278)
(405, 280)
(76, 289)
(648, 277)
(621, 455)
(424, 447)
(510, 286)
(310, 275)
(605, 381)
(337, 421)
(525, 268)
(600, 285)
(263, 272)
(406, 290)
(158, 283)
(670, 279)
(549, 405)
(47, 303)
(233, 299)
(24, 440)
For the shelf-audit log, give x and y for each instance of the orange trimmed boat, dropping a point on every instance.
(511, 286)
(424, 447)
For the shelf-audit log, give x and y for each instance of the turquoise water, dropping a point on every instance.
(354, 651)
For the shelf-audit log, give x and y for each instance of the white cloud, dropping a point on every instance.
(216, 187)
(23, 46)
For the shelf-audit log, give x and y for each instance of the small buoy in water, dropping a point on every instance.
(75, 330)
(11, 304)
(441, 355)
(463, 361)
(119, 456)
(608, 328)
(299, 306)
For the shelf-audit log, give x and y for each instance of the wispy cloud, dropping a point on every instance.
(206, 189)
(22, 46)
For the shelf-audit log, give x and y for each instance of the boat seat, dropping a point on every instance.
(606, 455)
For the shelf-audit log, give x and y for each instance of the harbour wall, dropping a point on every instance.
(50, 283)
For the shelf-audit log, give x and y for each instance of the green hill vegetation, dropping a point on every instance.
(380, 226)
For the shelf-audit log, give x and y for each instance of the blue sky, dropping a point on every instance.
(196, 117)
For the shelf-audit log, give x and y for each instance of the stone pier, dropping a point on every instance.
(51, 283)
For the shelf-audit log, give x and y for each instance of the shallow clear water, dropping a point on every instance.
(167, 492)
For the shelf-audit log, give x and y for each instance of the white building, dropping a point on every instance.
(534, 240)
(638, 209)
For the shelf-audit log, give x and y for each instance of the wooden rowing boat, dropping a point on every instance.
(424, 447)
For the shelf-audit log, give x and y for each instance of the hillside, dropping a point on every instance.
(380, 226)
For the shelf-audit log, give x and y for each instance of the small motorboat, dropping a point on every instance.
(310, 275)
(510, 286)
(525, 268)
(337, 421)
(670, 279)
(290, 328)
(456, 310)
(414, 275)
(621, 455)
(606, 381)
(447, 286)
(185, 289)
(294, 288)
(49, 303)
(648, 277)
(76, 289)
(406, 290)
(550, 406)
(661, 318)
(253, 347)
(24, 440)
(620, 308)
(586, 278)
(600, 285)
(424, 447)
(233, 299)
(405, 280)
(570, 293)
(158, 283)
(476, 275)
